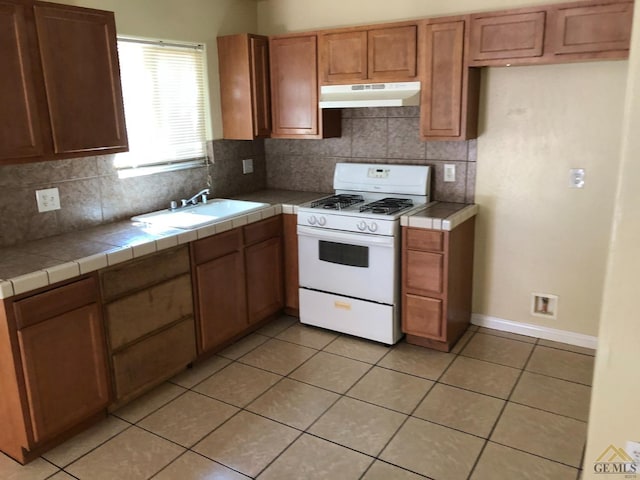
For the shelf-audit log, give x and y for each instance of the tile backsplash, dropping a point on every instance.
(375, 135)
(91, 193)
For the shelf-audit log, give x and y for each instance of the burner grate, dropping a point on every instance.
(387, 206)
(337, 202)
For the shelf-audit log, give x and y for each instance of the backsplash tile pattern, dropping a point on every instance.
(92, 194)
(375, 135)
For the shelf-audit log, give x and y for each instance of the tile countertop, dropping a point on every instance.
(50, 260)
(440, 216)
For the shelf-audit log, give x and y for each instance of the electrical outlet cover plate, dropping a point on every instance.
(576, 177)
(48, 199)
(247, 165)
(449, 172)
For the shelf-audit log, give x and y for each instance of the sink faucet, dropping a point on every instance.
(194, 200)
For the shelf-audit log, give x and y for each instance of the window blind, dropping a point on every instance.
(163, 87)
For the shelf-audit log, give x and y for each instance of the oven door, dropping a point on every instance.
(355, 265)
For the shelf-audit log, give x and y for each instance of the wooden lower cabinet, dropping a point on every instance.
(238, 278)
(149, 321)
(221, 300)
(437, 272)
(265, 292)
(53, 366)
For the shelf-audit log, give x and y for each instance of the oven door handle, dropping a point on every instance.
(355, 238)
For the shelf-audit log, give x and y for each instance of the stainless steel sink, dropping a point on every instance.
(187, 218)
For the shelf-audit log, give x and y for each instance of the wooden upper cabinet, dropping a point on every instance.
(507, 35)
(392, 53)
(369, 55)
(558, 33)
(82, 78)
(602, 30)
(243, 61)
(343, 57)
(294, 90)
(20, 118)
(294, 86)
(450, 90)
(60, 93)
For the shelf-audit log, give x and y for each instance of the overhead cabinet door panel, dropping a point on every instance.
(392, 53)
(20, 133)
(81, 75)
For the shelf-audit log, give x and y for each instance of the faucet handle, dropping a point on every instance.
(173, 205)
(204, 198)
(184, 202)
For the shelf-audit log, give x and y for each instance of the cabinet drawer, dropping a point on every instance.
(263, 230)
(418, 239)
(154, 359)
(142, 273)
(42, 306)
(424, 272)
(217, 246)
(423, 317)
(132, 317)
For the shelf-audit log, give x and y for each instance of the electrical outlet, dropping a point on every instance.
(48, 199)
(576, 177)
(449, 172)
(247, 166)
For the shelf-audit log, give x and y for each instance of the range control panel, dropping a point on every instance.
(378, 173)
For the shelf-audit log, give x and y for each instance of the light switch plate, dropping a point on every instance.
(576, 177)
(48, 199)
(449, 172)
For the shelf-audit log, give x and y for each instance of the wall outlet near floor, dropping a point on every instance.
(544, 305)
(247, 166)
(48, 199)
(449, 172)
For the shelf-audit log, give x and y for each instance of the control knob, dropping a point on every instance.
(322, 221)
(373, 227)
(312, 220)
(362, 226)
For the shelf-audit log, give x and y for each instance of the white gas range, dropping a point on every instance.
(349, 249)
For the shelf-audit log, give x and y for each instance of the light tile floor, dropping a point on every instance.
(296, 402)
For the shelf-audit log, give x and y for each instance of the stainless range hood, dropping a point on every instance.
(397, 94)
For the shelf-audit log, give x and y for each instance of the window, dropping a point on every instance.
(163, 87)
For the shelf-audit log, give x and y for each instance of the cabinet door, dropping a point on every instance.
(504, 36)
(392, 53)
(422, 316)
(260, 91)
(221, 300)
(82, 78)
(64, 364)
(343, 57)
(20, 130)
(442, 95)
(592, 29)
(294, 86)
(263, 263)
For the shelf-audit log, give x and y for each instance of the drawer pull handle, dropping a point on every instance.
(343, 305)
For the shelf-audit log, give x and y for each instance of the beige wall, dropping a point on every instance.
(279, 16)
(534, 233)
(199, 21)
(614, 415)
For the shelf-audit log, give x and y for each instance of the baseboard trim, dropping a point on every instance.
(578, 339)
